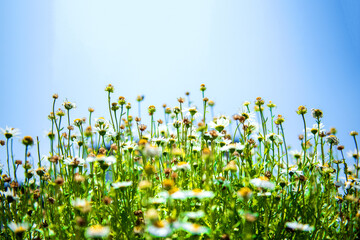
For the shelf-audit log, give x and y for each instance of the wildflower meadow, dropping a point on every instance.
(181, 175)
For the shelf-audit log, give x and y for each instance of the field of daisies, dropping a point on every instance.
(181, 175)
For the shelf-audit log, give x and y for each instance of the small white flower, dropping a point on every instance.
(292, 170)
(194, 228)
(102, 158)
(262, 182)
(200, 194)
(332, 139)
(69, 105)
(74, 161)
(275, 138)
(180, 195)
(80, 203)
(181, 166)
(295, 153)
(220, 123)
(192, 112)
(10, 132)
(152, 151)
(19, 228)
(159, 229)
(9, 195)
(129, 145)
(353, 154)
(97, 231)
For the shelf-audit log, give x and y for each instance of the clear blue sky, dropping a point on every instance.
(299, 52)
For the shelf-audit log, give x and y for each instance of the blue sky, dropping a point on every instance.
(298, 52)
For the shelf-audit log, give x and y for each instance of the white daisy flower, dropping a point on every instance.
(159, 140)
(101, 126)
(196, 148)
(97, 231)
(69, 105)
(181, 166)
(295, 153)
(293, 169)
(19, 228)
(192, 112)
(194, 228)
(200, 194)
(159, 229)
(81, 204)
(10, 132)
(353, 154)
(275, 138)
(220, 123)
(102, 158)
(163, 129)
(262, 182)
(180, 195)
(152, 151)
(9, 195)
(74, 161)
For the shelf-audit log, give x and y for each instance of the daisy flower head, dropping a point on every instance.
(163, 129)
(292, 170)
(160, 199)
(220, 123)
(129, 146)
(275, 138)
(262, 182)
(69, 105)
(101, 126)
(194, 229)
(10, 132)
(19, 228)
(317, 113)
(101, 158)
(200, 194)
(332, 140)
(295, 153)
(97, 231)
(9, 195)
(152, 151)
(353, 154)
(192, 112)
(182, 166)
(159, 228)
(82, 205)
(74, 162)
(176, 193)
